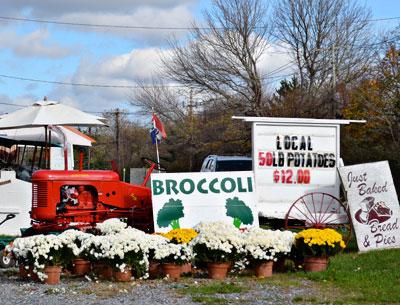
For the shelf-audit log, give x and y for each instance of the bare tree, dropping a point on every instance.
(330, 41)
(222, 58)
(160, 98)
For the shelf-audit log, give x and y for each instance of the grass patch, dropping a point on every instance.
(366, 278)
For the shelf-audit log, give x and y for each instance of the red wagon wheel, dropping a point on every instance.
(319, 210)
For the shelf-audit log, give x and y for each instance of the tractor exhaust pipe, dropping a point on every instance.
(80, 161)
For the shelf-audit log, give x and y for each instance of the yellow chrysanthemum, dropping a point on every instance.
(181, 236)
(321, 239)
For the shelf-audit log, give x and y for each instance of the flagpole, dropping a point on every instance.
(158, 154)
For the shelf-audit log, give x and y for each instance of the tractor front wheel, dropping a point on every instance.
(6, 261)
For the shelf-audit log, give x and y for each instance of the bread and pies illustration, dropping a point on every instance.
(372, 211)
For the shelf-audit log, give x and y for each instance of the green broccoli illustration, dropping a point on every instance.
(239, 211)
(170, 213)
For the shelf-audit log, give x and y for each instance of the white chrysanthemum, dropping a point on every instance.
(111, 226)
(267, 244)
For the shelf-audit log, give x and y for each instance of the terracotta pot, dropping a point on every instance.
(81, 266)
(264, 269)
(23, 273)
(103, 271)
(97, 267)
(124, 276)
(53, 274)
(279, 265)
(218, 271)
(315, 264)
(154, 270)
(106, 272)
(171, 270)
(186, 268)
(28, 274)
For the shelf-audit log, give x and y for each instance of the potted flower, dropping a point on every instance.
(21, 250)
(73, 240)
(316, 245)
(45, 252)
(219, 245)
(182, 236)
(129, 246)
(172, 257)
(152, 242)
(119, 253)
(264, 247)
(93, 250)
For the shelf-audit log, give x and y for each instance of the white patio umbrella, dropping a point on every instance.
(46, 113)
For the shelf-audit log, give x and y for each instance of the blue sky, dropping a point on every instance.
(100, 55)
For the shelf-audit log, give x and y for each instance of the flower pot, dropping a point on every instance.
(106, 272)
(154, 270)
(53, 274)
(123, 276)
(173, 271)
(279, 265)
(218, 271)
(81, 266)
(27, 273)
(103, 271)
(186, 268)
(264, 269)
(23, 273)
(97, 267)
(315, 264)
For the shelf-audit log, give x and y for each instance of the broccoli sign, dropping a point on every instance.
(239, 211)
(170, 214)
(182, 200)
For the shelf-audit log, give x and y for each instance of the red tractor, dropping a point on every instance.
(63, 199)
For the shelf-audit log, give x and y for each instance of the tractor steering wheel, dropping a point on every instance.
(150, 163)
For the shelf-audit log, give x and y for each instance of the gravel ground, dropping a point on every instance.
(73, 291)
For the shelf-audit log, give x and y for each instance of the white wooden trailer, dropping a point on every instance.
(295, 165)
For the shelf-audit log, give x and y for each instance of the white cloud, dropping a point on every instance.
(276, 61)
(142, 65)
(122, 70)
(34, 44)
(19, 100)
(51, 8)
(153, 13)
(174, 17)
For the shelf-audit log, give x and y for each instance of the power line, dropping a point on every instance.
(11, 104)
(85, 84)
(139, 27)
(94, 112)
(117, 26)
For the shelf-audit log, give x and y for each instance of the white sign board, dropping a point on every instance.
(374, 205)
(182, 200)
(57, 158)
(291, 160)
(15, 198)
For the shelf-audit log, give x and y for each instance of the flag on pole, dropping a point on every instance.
(158, 130)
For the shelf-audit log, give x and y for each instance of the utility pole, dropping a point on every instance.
(117, 136)
(334, 110)
(191, 130)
